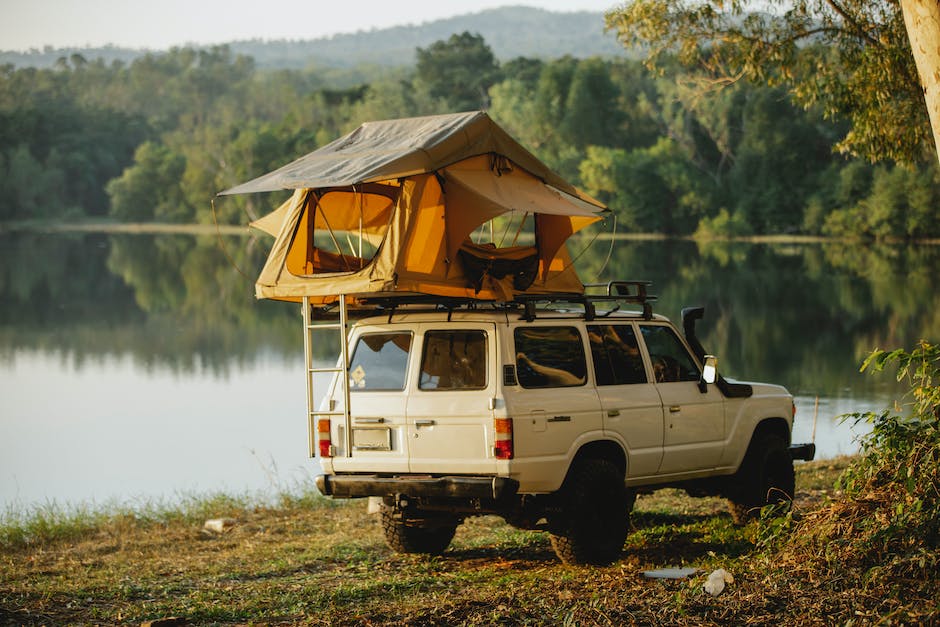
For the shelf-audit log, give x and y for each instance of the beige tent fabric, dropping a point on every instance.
(413, 191)
(394, 149)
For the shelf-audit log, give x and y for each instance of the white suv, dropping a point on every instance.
(551, 418)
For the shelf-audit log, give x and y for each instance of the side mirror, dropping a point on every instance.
(710, 371)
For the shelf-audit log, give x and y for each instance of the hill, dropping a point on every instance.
(511, 32)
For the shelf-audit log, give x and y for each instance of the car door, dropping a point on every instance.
(694, 420)
(378, 398)
(630, 403)
(554, 405)
(450, 408)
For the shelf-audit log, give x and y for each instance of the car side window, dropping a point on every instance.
(380, 362)
(616, 354)
(671, 361)
(549, 357)
(453, 360)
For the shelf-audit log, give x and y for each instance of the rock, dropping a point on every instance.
(716, 581)
(218, 525)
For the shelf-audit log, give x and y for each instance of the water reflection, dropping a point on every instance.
(142, 364)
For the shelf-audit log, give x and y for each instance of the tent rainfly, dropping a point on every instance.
(391, 207)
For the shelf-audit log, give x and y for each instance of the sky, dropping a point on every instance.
(161, 24)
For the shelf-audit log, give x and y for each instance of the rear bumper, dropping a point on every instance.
(806, 452)
(350, 486)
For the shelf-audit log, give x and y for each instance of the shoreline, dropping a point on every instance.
(150, 228)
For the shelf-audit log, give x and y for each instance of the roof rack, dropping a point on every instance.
(612, 292)
(618, 292)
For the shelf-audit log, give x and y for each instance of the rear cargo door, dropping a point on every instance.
(378, 381)
(450, 415)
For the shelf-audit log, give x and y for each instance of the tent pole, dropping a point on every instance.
(360, 227)
(329, 230)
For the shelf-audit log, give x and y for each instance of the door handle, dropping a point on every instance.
(674, 408)
(369, 421)
(425, 423)
(559, 419)
(613, 413)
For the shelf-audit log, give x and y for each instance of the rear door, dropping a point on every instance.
(631, 405)
(554, 406)
(378, 382)
(450, 410)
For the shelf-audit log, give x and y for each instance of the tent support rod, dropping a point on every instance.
(329, 230)
(360, 194)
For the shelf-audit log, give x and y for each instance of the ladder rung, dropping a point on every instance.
(327, 413)
(324, 370)
(328, 325)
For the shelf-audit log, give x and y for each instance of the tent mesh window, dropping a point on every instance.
(341, 229)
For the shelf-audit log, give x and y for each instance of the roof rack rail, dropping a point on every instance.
(611, 292)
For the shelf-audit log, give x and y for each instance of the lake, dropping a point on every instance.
(136, 368)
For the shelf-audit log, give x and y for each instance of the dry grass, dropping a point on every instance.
(312, 561)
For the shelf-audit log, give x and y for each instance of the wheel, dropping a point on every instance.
(595, 512)
(765, 477)
(417, 538)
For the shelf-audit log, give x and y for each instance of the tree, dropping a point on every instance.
(922, 19)
(851, 58)
(460, 71)
(150, 189)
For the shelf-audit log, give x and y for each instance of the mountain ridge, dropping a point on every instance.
(511, 31)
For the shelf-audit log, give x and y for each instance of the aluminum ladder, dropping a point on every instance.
(341, 369)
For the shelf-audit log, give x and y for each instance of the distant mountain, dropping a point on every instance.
(510, 31)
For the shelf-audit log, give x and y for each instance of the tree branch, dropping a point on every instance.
(855, 25)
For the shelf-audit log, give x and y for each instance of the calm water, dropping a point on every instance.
(141, 366)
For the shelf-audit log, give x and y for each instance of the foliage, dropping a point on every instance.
(156, 139)
(723, 225)
(900, 204)
(459, 71)
(885, 528)
(850, 58)
(900, 463)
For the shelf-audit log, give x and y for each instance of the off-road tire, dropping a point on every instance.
(766, 477)
(414, 538)
(595, 514)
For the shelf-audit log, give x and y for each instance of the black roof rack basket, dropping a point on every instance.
(618, 292)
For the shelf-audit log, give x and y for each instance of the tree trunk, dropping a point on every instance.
(922, 20)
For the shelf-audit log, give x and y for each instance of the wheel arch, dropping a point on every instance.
(777, 426)
(602, 449)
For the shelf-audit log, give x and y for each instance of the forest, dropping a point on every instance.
(153, 140)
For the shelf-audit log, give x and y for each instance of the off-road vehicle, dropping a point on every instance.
(476, 374)
(550, 412)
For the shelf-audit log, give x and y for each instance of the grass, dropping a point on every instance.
(307, 560)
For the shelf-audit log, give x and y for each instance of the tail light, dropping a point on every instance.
(325, 445)
(503, 448)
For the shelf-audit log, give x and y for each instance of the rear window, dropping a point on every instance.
(453, 360)
(549, 357)
(380, 362)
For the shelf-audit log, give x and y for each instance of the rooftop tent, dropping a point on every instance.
(390, 208)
